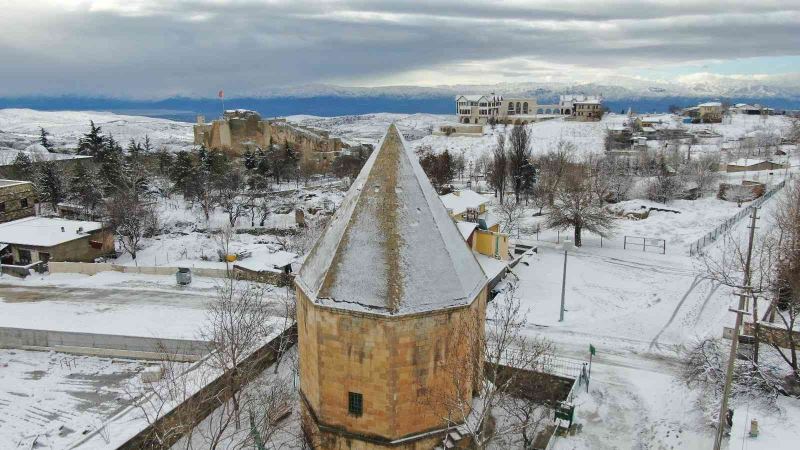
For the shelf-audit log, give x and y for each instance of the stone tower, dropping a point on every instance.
(379, 300)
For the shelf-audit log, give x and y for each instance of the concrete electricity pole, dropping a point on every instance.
(740, 312)
(564, 280)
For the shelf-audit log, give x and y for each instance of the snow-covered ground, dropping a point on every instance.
(588, 137)
(110, 303)
(639, 310)
(49, 399)
(20, 127)
(106, 303)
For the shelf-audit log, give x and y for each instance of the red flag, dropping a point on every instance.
(221, 94)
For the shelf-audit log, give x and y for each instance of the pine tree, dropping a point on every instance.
(135, 177)
(165, 161)
(148, 146)
(84, 188)
(249, 160)
(111, 166)
(44, 140)
(50, 184)
(134, 149)
(92, 143)
(182, 171)
(23, 167)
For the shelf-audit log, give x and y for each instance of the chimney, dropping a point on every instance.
(201, 119)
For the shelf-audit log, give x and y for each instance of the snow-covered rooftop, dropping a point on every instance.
(45, 231)
(459, 201)
(710, 104)
(267, 262)
(391, 248)
(748, 162)
(466, 228)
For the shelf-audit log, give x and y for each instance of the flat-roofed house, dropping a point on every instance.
(752, 164)
(710, 112)
(34, 239)
(17, 200)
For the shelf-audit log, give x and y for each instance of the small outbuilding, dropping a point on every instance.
(17, 199)
(34, 239)
(751, 164)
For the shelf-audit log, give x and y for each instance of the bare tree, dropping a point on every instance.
(228, 195)
(539, 197)
(492, 346)
(132, 218)
(239, 321)
(786, 303)
(520, 169)
(599, 177)
(665, 186)
(702, 172)
(703, 367)
(510, 215)
(620, 179)
(553, 167)
(153, 400)
(575, 208)
(499, 167)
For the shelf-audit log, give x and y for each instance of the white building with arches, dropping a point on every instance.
(481, 109)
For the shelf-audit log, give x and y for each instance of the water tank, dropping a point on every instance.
(183, 276)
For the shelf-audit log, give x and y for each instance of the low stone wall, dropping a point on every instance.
(95, 268)
(211, 396)
(136, 347)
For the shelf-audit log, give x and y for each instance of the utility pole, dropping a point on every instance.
(740, 312)
(563, 283)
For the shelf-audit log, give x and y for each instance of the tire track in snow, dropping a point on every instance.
(697, 280)
(714, 288)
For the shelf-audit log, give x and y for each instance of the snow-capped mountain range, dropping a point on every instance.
(696, 85)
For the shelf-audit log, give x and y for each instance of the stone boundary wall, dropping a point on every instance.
(104, 345)
(212, 395)
(95, 268)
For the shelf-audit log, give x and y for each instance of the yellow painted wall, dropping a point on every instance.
(490, 243)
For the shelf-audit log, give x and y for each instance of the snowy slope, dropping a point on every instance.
(21, 126)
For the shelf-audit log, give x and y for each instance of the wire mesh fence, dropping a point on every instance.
(712, 236)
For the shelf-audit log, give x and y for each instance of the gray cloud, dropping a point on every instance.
(168, 47)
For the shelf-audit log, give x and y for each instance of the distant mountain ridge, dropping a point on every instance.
(780, 92)
(697, 85)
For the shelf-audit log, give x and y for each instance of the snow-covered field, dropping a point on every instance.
(106, 303)
(637, 308)
(20, 128)
(49, 399)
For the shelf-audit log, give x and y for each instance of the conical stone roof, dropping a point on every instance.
(391, 248)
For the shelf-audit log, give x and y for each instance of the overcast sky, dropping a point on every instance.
(158, 48)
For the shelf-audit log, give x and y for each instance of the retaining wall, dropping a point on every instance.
(136, 347)
(95, 268)
(210, 397)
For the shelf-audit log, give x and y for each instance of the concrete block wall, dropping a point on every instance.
(102, 344)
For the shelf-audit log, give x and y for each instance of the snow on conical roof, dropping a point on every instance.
(391, 247)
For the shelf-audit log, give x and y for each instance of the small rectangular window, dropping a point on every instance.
(2, 207)
(23, 203)
(355, 403)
